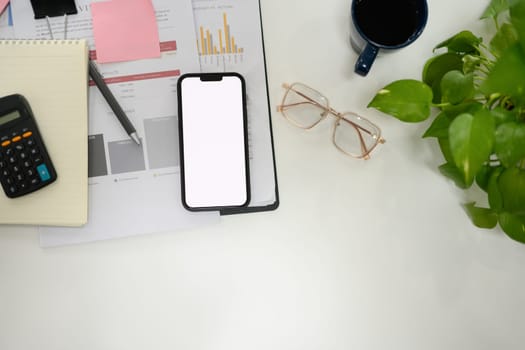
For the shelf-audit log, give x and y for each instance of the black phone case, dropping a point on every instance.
(212, 77)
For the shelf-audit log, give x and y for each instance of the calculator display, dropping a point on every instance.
(6, 118)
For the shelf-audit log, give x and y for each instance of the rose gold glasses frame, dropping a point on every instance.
(365, 151)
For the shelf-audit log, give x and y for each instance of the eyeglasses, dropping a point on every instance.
(353, 135)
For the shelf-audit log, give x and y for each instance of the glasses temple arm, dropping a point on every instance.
(356, 126)
(310, 100)
(281, 107)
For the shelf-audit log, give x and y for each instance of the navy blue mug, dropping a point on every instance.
(384, 25)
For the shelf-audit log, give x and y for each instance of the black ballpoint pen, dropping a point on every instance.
(113, 103)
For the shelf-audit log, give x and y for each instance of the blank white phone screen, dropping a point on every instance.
(213, 142)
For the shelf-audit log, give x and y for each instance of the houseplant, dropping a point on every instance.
(475, 93)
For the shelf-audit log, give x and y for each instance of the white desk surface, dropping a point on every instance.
(359, 255)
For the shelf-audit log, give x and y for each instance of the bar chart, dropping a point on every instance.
(219, 43)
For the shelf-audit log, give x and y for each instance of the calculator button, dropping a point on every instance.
(43, 172)
(24, 166)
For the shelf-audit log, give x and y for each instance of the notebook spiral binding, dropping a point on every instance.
(41, 42)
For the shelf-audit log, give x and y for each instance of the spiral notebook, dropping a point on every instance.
(53, 76)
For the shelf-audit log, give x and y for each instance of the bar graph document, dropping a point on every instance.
(132, 189)
(136, 189)
(229, 38)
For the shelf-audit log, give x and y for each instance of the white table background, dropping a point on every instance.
(371, 254)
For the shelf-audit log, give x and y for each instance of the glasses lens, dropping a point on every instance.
(304, 106)
(355, 135)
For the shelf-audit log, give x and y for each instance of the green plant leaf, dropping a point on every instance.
(511, 185)
(463, 42)
(483, 176)
(451, 171)
(494, 194)
(510, 143)
(471, 141)
(456, 87)
(501, 115)
(407, 100)
(444, 145)
(505, 37)
(436, 67)
(481, 217)
(495, 8)
(508, 75)
(517, 18)
(513, 226)
(439, 127)
(466, 107)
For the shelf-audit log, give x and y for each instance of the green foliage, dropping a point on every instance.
(456, 87)
(481, 217)
(471, 138)
(407, 100)
(479, 91)
(495, 8)
(462, 43)
(436, 67)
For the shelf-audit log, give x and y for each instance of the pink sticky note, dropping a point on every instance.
(125, 30)
(3, 4)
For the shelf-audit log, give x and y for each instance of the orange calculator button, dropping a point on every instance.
(27, 134)
(6, 143)
(16, 138)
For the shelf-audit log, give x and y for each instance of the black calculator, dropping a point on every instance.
(25, 165)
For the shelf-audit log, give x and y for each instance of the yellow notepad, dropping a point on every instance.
(53, 76)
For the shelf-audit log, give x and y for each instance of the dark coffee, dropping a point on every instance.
(388, 22)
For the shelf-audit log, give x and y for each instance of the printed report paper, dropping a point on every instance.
(132, 189)
(229, 39)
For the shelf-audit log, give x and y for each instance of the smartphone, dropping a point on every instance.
(213, 141)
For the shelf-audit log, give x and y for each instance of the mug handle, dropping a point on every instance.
(365, 60)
